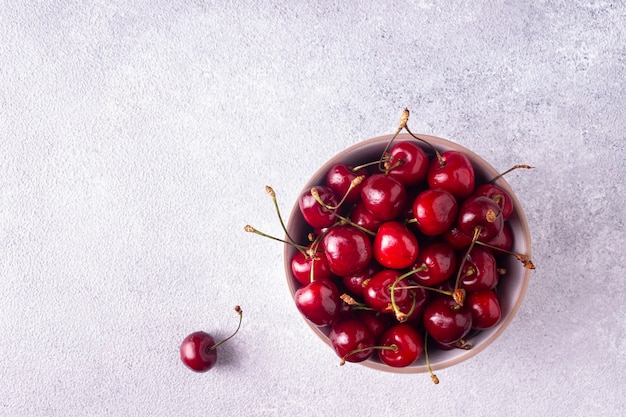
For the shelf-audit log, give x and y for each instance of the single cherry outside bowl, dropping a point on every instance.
(511, 289)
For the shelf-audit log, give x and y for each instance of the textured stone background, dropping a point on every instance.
(135, 142)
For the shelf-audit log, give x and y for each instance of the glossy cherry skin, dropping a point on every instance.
(384, 196)
(496, 193)
(485, 308)
(361, 216)
(376, 322)
(440, 260)
(456, 176)
(483, 212)
(409, 163)
(354, 283)
(319, 302)
(504, 240)
(377, 291)
(347, 249)
(456, 238)
(349, 335)
(196, 352)
(446, 321)
(339, 178)
(313, 212)
(479, 271)
(408, 341)
(395, 246)
(301, 265)
(435, 211)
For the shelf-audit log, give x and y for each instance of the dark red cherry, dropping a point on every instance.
(479, 271)
(504, 240)
(301, 265)
(407, 342)
(456, 238)
(497, 194)
(395, 246)
(440, 260)
(313, 212)
(349, 337)
(354, 283)
(485, 308)
(435, 211)
(483, 212)
(408, 162)
(347, 249)
(361, 216)
(319, 302)
(456, 176)
(196, 352)
(414, 307)
(446, 321)
(377, 291)
(376, 322)
(384, 196)
(340, 177)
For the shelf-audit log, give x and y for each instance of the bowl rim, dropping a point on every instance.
(441, 145)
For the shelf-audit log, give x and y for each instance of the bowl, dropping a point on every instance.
(511, 290)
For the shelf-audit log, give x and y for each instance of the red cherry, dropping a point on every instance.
(361, 216)
(376, 322)
(354, 283)
(196, 352)
(435, 211)
(319, 302)
(440, 259)
(456, 238)
(485, 308)
(409, 163)
(406, 342)
(377, 291)
(497, 194)
(347, 249)
(456, 176)
(446, 321)
(339, 178)
(301, 265)
(395, 246)
(504, 240)
(479, 271)
(351, 339)
(483, 212)
(383, 196)
(313, 212)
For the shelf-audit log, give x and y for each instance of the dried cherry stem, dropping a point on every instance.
(400, 316)
(269, 190)
(462, 344)
(459, 293)
(305, 250)
(239, 311)
(393, 347)
(513, 168)
(524, 259)
(354, 304)
(433, 377)
(313, 255)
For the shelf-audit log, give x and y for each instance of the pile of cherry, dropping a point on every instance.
(403, 253)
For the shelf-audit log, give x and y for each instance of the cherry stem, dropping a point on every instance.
(513, 168)
(301, 248)
(355, 182)
(459, 294)
(393, 347)
(404, 118)
(524, 259)
(354, 304)
(433, 377)
(269, 190)
(400, 316)
(239, 311)
(442, 163)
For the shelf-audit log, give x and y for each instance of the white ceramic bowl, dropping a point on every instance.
(511, 289)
